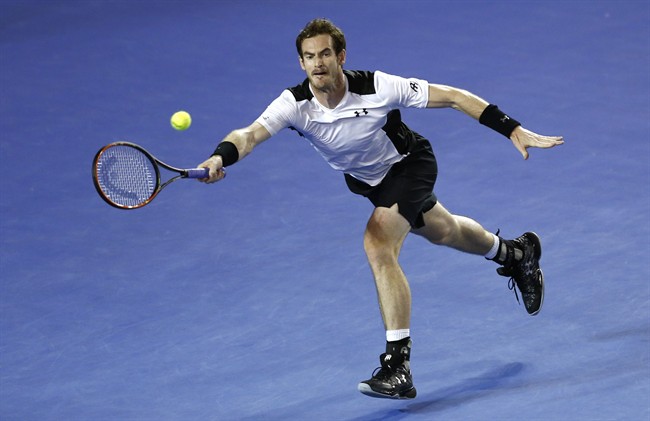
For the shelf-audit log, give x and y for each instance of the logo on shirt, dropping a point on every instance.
(415, 86)
(362, 112)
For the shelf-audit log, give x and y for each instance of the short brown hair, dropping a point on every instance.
(321, 26)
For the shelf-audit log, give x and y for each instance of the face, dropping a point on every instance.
(320, 62)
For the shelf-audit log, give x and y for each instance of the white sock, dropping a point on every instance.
(494, 250)
(397, 335)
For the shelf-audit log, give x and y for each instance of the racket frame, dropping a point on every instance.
(156, 164)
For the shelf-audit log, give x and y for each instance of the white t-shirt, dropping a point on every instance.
(363, 136)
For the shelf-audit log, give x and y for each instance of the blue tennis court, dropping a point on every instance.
(251, 299)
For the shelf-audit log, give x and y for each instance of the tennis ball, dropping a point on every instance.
(181, 120)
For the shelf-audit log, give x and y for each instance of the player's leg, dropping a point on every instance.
(383, 239)
(459, 232)
(519, 258)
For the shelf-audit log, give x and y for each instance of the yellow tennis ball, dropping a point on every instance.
(181, 120)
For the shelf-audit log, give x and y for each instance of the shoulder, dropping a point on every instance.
(373, 82)
(301, 92)
(387, 78)
(360, 82)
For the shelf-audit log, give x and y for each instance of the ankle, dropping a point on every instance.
(507, 253)
(400, 351)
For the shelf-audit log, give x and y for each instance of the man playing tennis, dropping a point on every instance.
(352, 119)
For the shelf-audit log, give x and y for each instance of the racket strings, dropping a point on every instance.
(126, 176)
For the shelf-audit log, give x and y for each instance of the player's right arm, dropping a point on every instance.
(245, 140)
(239, 143)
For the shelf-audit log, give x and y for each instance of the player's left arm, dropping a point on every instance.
(442, 96)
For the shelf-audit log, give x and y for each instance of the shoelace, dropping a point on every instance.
(384, 371)
(394, 377)
(512, 286)
(381, 373)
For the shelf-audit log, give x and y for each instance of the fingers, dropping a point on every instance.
(525, 139)
(217, 175)
(216, 170)
(549, 141)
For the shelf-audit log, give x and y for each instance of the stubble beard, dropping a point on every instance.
(328, 86)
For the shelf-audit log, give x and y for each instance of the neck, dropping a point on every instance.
(332, 95)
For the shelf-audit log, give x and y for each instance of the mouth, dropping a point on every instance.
(319, 73)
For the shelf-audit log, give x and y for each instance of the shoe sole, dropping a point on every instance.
(534, 238)
(541, 300)
(366, 390)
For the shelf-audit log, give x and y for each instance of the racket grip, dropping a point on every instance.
(198, 173)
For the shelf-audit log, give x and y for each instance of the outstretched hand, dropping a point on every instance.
(215, 165)
(524, 139)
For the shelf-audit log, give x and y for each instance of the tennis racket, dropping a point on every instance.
(128, 177)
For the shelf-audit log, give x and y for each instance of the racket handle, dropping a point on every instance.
(198, 173)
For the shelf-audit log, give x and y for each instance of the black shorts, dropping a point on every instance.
(409, 183)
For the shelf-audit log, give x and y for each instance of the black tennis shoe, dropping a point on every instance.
(392, 380)
(526, 273)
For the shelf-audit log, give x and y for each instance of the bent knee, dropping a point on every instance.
(384, 234)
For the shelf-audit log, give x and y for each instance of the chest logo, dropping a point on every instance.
(360, 113)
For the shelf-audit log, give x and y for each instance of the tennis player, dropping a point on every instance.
(352, 118)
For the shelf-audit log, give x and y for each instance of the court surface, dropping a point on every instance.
(251, 299)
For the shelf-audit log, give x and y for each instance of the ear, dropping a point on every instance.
(341, 57)
(302, 64)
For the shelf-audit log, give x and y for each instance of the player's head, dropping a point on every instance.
(321, 49)
(321, 27)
